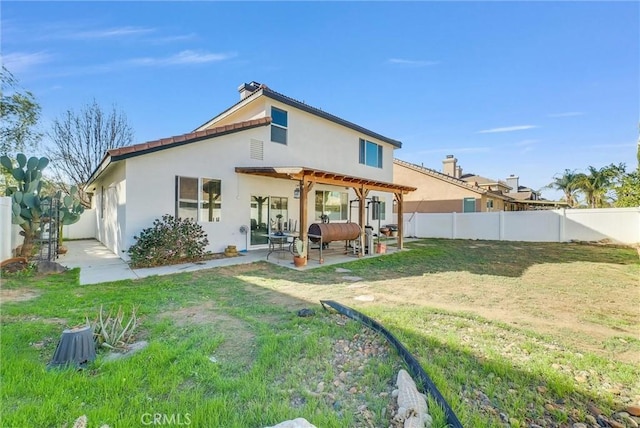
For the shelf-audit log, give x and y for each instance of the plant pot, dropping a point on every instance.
(62, 249)
(299, 261)
(394, 233)
(381, 248)
(385, 231)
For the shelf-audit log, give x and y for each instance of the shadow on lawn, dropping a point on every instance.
(495, 389)
(498, 258)
(478, 388)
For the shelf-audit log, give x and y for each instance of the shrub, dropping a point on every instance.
(169, 241)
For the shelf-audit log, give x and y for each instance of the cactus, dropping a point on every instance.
(301, 251)
(69, 211)
(26, 199)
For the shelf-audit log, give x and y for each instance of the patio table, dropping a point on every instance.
(281, 242)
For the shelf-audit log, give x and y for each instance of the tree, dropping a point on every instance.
(628, 193)
(80, 141)
(19, 116)
(568, 184)
(598, 183)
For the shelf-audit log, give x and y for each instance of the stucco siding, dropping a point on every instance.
(314, 142)
(110, 202)
(434, 195)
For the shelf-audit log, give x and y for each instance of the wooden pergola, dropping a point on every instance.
(308, 177)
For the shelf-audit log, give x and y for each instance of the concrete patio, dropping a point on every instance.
(98, 264)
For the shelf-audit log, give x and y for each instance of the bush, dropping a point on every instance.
(169, 241)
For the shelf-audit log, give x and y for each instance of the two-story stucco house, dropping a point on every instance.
(267, 161)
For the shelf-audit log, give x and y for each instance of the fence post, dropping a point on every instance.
(5, 228)
(562, 227)
(501, 226)
(453, 225)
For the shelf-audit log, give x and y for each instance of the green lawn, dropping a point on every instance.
(539, 333)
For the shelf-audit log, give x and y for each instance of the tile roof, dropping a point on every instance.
(263, 89)
(121, 153)
(165, 143)
(483, 180)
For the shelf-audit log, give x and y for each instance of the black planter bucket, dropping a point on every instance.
(75, 349)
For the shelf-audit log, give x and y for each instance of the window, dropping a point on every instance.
(332, 204)
(370, 153)
(378, 211)
(469, 205)
(489, 204)
(279, 123)
(199, 199)
(279, 213)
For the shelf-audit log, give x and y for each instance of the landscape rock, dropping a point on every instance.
(295, 423)
(132, 349)
(633, 410)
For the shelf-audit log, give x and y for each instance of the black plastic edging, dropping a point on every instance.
(414, 366)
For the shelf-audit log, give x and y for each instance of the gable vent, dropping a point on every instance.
(257, 149)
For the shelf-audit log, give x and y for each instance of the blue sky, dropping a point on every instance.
(525, 88)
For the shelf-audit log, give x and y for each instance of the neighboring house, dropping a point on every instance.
(443, 192)
(247, 167)
(452, 191)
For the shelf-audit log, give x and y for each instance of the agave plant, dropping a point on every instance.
(110, 331)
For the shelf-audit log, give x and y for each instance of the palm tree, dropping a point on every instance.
(568, 184)
(598, 182)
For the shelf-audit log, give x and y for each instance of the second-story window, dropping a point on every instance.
(370, 153)
(279, 125)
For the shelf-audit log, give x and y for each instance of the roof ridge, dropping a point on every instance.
(441, 175)
(183, 138)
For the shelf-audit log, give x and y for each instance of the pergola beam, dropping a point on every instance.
(307, 177)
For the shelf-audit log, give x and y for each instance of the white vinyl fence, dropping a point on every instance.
(10, 238)
(618, 225)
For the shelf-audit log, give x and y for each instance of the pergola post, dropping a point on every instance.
(305, 188)
(400, 212)
(361, 193)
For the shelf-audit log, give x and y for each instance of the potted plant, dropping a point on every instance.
(300, 254)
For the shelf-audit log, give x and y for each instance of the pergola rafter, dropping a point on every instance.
(307, 177)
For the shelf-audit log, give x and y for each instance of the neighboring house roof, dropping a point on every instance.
(444, 177)
(269, 93)
(483, 180)
(114, 155)
(520, 196)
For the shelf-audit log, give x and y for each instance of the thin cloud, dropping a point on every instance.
(171, 39)
(567, 114)
(411, 62)
(182, 58)
(19, 62)
(507, 129)
(107, 33)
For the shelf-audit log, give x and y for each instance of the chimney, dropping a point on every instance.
(449, 166)
(513, 182)
(247, 89)
(458, 171)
